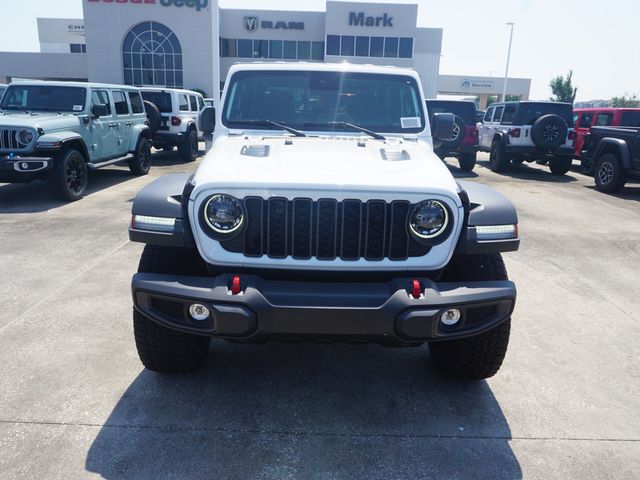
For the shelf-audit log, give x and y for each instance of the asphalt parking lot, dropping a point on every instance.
(75, 401)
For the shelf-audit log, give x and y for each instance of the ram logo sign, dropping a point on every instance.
(250, 24)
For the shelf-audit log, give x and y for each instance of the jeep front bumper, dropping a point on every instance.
(16, 168)
(385, 312)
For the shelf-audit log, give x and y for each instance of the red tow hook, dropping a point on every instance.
(416, 289)
(235, 285)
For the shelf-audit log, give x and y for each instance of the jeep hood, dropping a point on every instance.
(45, 120)
(324, 163)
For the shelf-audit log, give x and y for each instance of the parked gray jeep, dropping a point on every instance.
(58, 131)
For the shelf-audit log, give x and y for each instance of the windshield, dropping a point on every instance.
(530, 112)
(319, 101)
(465, 110)
(44, 98)
(162, 100)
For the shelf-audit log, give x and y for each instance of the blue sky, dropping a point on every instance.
(594, 38)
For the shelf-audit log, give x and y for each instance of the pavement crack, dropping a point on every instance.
(64, 285)
(297, 433)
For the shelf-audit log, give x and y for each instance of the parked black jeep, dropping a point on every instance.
(613, 155)
(463, 145)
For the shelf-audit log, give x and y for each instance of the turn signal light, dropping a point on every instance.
(515, 132)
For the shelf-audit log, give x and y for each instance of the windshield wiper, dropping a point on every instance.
(269, 123)
(345, 124)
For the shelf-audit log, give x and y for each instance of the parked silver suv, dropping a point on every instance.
(58, 131)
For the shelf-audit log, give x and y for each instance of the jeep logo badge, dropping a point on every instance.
(250, 23)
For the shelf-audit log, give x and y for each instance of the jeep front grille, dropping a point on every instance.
(9, 140)
(326, 229)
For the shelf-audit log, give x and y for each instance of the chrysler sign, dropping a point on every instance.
(197, 4)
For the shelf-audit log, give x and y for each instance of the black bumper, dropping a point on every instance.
(165, 137)
(535, 152)
(383, 312)
(459, 150)
(18, 169)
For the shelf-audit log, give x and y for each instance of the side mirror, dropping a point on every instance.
(99, 110)
(442, 126)
(208, 120)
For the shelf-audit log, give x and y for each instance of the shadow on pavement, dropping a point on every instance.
(305, 411)
(37, 197)
(628, 192)
(532, 171)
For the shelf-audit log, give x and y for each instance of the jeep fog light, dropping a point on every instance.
(496, 232)
(450, 317)
(159, 224)
(198, 311)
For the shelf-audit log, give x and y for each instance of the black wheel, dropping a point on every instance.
(154, 118)
(467, 161)
(68, 179)
(161, 349)
(498, 161)
(560, 165)
(549, 131)
(609, 173)
(141, 161)
(459, 131)
(189, 147)
(480, 356)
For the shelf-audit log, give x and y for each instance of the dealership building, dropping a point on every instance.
(175, 43)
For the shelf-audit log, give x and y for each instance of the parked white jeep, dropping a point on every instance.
(177, 119)
(321, 212)
(58, 131)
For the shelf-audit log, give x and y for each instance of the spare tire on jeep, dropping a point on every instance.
(459, 131)
(154, 119)
(549, 131)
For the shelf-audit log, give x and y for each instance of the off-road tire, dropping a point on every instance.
(549, 131)
(467, 161)
(154, 117)
(459, 132)
(68, 179)
(498, 160)
(161, 349)
(609, 173)
(480, 356)
(140, 163)
(189, 147)
(560, 165)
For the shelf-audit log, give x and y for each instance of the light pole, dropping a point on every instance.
(506, 72)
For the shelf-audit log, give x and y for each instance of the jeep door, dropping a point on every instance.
(104, 143)
(123, 120)
(483, 132)
(583, 124)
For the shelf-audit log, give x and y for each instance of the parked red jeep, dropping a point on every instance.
(585, 118)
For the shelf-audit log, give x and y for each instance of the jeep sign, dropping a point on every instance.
(197, 4)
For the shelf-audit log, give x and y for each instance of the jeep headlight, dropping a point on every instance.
(223, 213)
(25, 137)
(428, 219)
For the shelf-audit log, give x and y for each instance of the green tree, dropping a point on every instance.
(513, 98)
(563, 89)
(200, 91)
(626, 100)
(492, 99)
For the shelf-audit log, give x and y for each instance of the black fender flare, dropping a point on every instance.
(165, 197)
(501, 137)
(617, 145)
(484, 206)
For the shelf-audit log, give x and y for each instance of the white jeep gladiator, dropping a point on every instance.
(322, 213)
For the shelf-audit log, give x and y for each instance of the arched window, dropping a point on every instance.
(151, 55)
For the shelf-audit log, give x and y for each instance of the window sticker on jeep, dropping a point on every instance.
(77, 108)
(410, 122)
